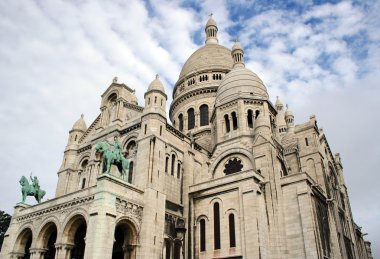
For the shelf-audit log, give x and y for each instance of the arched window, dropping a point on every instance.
(216, 226)
(166, 164)
(250, 118)
(173, 164)
(227, 121)
(130, 172)
(202, 235)
(234, 120)
(203, 110)
(231, 221)
(180, 122)
(178, 170)
(257, 112)
(190, 119)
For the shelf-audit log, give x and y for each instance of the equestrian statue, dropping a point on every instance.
(112, 155)
(31, 189)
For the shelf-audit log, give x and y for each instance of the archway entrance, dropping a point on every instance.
(125, 241)
(47, 239)
(74, 238)
(23, 244)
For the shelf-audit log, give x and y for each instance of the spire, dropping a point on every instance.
(279, 106)
(211, 31)
(237, 54)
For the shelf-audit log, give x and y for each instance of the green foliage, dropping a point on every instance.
(5, 219)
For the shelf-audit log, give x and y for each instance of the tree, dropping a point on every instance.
(5, 220)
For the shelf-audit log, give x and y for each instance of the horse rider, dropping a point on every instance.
(117, 149)
(35, 184)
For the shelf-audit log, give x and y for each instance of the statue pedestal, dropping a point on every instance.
(21, 206)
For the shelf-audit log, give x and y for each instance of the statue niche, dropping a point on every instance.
(113, 156)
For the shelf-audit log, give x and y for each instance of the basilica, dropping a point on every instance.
(225, 173)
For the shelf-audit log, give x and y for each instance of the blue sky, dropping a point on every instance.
(57, 58)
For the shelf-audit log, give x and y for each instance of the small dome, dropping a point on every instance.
(288, 113)
(237, 46)
(211, 22)
(209, 57)
(156, 85)
(278, 104)
(240, 82)
(80, 124)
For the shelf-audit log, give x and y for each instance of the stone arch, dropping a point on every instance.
(47, 237)
(230, 153)
(74, 234)
(202, 216)
(24, 241)
(126, 238)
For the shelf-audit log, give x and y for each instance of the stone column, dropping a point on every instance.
(38, 253)
(63, 251)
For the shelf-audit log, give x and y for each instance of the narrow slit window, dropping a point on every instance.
(166, 164)
(178, 170)
(216, 226)
(130, 172)
(234, 120)
(190, 119)
(231, 221)
(202, 235)
(180, 122)
(173, 163)
(227, 121)
(250, 118)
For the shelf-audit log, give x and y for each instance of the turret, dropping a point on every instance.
(262, 126)
(289, 118)
(77, 131)
(211, 31)
(237, 54)
(155, 98)
(280, 119)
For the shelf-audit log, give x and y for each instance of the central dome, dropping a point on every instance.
(209, 57)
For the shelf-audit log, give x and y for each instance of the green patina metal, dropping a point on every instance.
(113, 157)
(31, 189)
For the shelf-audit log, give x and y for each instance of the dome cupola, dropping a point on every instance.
(156, 85)
(80, 124)
(211, 31)
(238, 54)
(77, 131)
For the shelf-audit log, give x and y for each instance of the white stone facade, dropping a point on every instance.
(231, 176)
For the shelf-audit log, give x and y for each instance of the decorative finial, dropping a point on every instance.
(236, 39)
(287, 107)
(115, 79)
(157, 76)
(210, 15)
(82, 115)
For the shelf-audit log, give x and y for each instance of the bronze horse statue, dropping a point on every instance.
(29, 190)
(110, 157)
